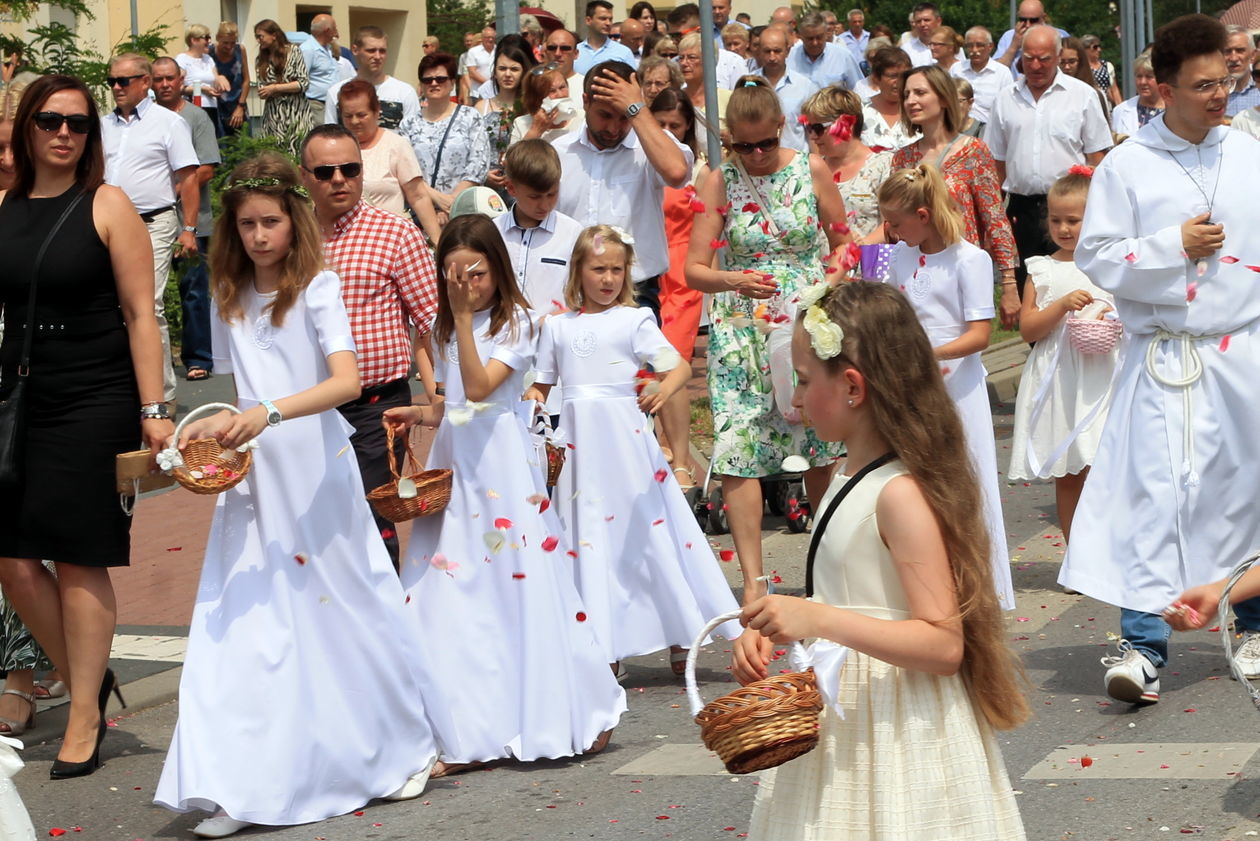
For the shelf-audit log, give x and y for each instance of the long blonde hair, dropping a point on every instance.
(232, 270)
(583, 248)
(884, 341)
(907, 190)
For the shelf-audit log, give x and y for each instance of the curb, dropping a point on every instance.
(141, 694)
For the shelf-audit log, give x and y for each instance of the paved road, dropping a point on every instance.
(1181, 767)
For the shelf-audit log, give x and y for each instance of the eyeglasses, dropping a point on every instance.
(670, 56)
(199, 38)
(325, 172)
(1029, 20)
(51, 121)
(560, 48)
(816, 128)
(937, 44)
(767, 145)
(616, 36)
(687, 57)
(544, 68)
(122, 81)
(1210, 86)
(434, 80)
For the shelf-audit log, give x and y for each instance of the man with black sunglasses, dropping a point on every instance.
(388, 284)
(1010, 46)
(149, 154)
(561, 47)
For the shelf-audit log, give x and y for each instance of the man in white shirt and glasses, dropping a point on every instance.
(149, 154)
(616, 168)
(1040, 126)
(988, 78)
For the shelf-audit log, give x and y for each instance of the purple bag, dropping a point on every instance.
(875, 261)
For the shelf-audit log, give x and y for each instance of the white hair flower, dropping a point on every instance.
(623, 234)
(811, 295)
(825, 336)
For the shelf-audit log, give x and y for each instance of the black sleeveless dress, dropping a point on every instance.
(82, 400)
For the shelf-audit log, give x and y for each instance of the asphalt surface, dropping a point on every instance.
(1183, 767)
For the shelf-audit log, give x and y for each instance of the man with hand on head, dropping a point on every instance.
(616, 169)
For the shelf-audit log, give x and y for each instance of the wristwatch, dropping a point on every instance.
(190, 229)
(273, 414)
(155, 411)
(633, 109)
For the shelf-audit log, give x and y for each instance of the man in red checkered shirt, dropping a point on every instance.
(389, 285)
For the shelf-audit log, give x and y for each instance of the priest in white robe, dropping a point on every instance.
(1170, 229)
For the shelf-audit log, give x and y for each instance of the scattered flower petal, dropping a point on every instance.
(662, 475)
(550, 543)
(1224, 343)
(1228, 260)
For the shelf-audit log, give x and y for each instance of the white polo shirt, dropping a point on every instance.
(482, 59)
(987, 83)
(143, 153)
(1039, 139)
(540, 256)
(619, 186)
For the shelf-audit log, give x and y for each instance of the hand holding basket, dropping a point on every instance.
(418, 494)
(204, 466)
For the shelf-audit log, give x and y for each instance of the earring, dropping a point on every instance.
(850, 404)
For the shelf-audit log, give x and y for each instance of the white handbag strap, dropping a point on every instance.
(771, 227)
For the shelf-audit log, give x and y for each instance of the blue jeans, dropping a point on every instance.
(194, 294)
(1148, 632)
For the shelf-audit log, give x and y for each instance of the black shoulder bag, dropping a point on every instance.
(821, 525)
(13, 410)
(437, 163)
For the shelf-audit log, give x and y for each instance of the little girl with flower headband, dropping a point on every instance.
(298, 601)
(646, 573)
(909, 652)
(949, 282)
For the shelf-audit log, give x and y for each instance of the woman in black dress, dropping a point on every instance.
(94, 390)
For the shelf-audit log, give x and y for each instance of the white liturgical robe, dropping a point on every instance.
(1171, 500)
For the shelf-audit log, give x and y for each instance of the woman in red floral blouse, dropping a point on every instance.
(929, 102)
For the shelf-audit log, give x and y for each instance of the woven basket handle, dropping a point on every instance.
(203, 409)
(1223, 620)
(693, 691)
(390, 436)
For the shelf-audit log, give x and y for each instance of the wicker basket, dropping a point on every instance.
(207, 467)
(1094, 335)
(1227, 633)
(433, 487)
(761, 725)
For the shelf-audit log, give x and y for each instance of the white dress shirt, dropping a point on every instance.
(540, 256)
(987, 82)
(142, 154)
(482, 59)
(619, 186)
(793, 89)
(729, 68)
(919, 52)
(1039, 139)
(834, 66)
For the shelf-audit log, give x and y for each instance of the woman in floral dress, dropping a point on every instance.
(775, 213)
(857, 170)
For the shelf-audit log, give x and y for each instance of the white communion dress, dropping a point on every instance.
(299, 699)
(911, 758)
(517, 667)
(947, 290)
(646, 572)
(1076, 385)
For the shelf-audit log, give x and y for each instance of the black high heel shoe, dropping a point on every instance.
(62, 770)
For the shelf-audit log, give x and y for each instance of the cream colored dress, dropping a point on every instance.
(910, 759)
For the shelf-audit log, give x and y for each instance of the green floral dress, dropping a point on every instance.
(751, 437)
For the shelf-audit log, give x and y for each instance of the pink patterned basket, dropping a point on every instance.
(1094, 335)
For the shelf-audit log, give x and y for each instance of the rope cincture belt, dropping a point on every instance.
(1191, 371)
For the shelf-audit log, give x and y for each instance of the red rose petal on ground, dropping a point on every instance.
(502, 523)
(1228, 260)
(1087, 761)
(727, 554)
(359, 814)
(56, 831)
(661, 475)
(550, 543)
(175, 549)
(662, 817)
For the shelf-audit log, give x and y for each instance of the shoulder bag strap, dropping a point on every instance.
(24, 366)
(771, 227)
(437, 162)
(821, 525)
(941, 158)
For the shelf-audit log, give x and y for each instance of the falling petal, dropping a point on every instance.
(1224, 343)
(662, 475)
(1229, 259)
(657, 522)
(1130, 257)
(491, 493)
(716, 244)
(1192, 289)
(301, 558)
(535, 499)
(459, 417)
(581, 617)
(725, 209)
(802, 119)
(840, 228)
(342, 451)
(550, 543)
(502, 523)
(494, 541)
(544, 505)
(922, 260)
(597, 244)
(727, 555)
(1254, 268)
(696, 205)
(751, 207)
(518, 575)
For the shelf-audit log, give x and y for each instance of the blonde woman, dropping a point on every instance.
(203, 83)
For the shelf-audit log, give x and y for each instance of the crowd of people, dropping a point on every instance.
(538, 235)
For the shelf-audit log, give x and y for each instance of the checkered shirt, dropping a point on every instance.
(388, 281)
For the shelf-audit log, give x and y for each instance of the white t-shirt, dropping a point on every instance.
(198, 72)
(482, 59)
(398, 100)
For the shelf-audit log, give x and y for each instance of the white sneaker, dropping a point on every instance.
(414, 787)
(219, 826)
(1247, 656)
(1131, 677)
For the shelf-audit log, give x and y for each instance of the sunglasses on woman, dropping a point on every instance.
(325, 172)
(51, 121)
(769, 144)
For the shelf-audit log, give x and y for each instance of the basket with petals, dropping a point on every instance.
(761, 725)
(418, 494)
(552, 446)
(1094, 335)
(204, 466)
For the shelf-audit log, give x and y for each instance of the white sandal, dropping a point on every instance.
(17, 728)
(219, 826)
(415, 785)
